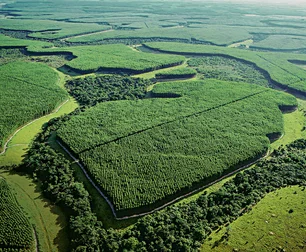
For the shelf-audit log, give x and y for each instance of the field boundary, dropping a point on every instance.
(231, 171)
(110, 204)
(5, 147)
(274, 84)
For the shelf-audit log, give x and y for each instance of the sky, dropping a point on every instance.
(289, 2)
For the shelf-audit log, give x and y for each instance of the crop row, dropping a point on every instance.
(27, 91)
(216, 34)
(13, 42)
(125, 117)
(281, 42)
(15, 229)
(143, 168)
(49, 29)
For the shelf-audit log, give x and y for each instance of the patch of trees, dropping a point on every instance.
(223, 68)
(181, 227)
(90, 90)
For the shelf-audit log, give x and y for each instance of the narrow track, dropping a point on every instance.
(11, 137)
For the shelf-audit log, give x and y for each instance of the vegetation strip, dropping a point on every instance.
(31, 86)
(90, 180)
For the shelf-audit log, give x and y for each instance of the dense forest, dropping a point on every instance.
(91, 90)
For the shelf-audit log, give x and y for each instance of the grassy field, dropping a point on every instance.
(49, 221)
(19, 144)
(276, 223)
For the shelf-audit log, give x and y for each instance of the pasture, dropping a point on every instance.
(275, 223)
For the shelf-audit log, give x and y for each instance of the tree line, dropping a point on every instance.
(181, 227)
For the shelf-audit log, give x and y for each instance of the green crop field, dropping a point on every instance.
(281, 42)
(47, 29)
(227, 69)
(13, 42)
(27, 91)
(16, 232)
(115, 57)
(93, 78)
(277, 65)
(176, 73)
(143, 151)
(219, 35)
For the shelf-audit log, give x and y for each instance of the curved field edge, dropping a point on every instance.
(48, 220)
(275, 222)
(18, 144)
(141, 209)
(30, 86)
(293, 130)
(275, 66)
(113, 58)
(16, 231)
